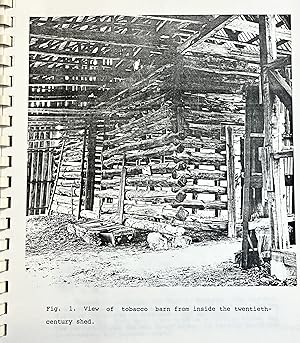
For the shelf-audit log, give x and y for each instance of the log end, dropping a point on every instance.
(174, 175)
(180, 148)
(180, 196)
(181, 214)
(182, 181)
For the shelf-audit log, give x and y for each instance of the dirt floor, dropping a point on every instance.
(56, 257)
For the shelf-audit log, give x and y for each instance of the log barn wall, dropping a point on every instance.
(167, 171)
(148, 118)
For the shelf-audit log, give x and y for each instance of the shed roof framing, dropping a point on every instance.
(117, 53)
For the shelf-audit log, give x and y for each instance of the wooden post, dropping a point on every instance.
(247, 178)
(276, 189)
(122, 192)
(237, 178)
(82, 174)
(90, 173)
(278, 175)
(230, 182)
(72, 200)
(217, 196)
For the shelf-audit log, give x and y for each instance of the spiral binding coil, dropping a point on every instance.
(6, 42)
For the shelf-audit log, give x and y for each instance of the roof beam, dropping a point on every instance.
(99, 73)
(223, 72)
(281, 88)
(71, 54)
(41, 61)
(208, 30)
(279, 63)
(253, 28)
(226, 52)
(287, 20)
(89, 36)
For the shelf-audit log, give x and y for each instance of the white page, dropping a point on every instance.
(33, 302)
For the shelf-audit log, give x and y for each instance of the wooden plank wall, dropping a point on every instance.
(41, 164)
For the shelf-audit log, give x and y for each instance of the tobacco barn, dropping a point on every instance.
(178, 125)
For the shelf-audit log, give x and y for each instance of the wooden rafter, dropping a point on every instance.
(226, 52)
(102, 73)
(281, 88)
(88, 36)
(207, 31)
(253, 28)
(79, 48)
(69, 54)
(223, 72)
(279, 63)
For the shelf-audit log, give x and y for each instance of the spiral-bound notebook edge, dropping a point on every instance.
(6, 41)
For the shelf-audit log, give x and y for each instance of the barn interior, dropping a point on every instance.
(175, 124)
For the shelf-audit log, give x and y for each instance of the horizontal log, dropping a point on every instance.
(203, 130)
(71, 164)
(141, 195)
(216, 118)
(68, 182)
(196, 224)
(143, 144)
(195, 104)
(203, 205)
(70, 169)
(130, 136)
(203, 143)
(107, 193)
(143, 180)
(65, 199)
(61, 209)
(67, 191)
(160, 168)
(192, 223)
(201, 189)
(140, 154)
(155, 211)
(148, 225)
(199, 158)
(216, 102)
(69, 175)
(284, 153)
(200, 174)
(144, 121)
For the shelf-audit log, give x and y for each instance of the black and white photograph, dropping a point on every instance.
(160, 151)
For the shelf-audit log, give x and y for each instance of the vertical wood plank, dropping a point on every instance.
(237, 177)
(29, 183)
(90, 173)
(247, 178)
(122, 192)
(268, 52)
(273, 138)
(230, 182)
(34, 171)
(82, 174)
(278, 174)
(43, 168)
